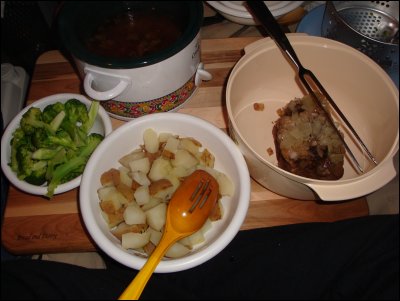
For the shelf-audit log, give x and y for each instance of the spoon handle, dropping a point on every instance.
(135, 288)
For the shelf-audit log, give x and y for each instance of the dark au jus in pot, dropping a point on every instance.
(134, 35)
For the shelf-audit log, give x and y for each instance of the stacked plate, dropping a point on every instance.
(237, 12)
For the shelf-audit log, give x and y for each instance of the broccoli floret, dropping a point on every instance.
(17, 140)
(75, 164)
(25, 161)
(43, 139)
(76, 133)
(38, 173)
(51, 111)
(39, 138)
(61, 138)
(79, 133)
(32, 120)
(56, 122)
(59, 158)
(45, 153)
(93, 110)
(76, 111)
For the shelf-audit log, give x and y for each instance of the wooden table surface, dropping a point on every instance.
(33, 224)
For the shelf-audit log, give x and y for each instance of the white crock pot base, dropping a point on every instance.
(130, 110)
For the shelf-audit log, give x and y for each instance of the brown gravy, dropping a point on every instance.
(134, 35)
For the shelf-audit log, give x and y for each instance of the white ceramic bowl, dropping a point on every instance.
(102, 126)
(128, 137)
(361, 89)
(235, 11)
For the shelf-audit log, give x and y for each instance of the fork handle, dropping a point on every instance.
(137, 285)
(264, 15)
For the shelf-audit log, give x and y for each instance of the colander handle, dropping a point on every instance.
(122, 84)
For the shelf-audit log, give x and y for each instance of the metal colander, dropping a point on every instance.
(369, 26)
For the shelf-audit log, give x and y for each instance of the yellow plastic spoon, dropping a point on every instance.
(188, 210)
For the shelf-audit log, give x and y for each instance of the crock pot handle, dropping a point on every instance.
(103, 95)
(384, 173)
(201, 75)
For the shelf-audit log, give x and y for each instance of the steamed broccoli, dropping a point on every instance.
(59, 158)
(33, 120)
(51, 111)
(17, 140)
(93, 110)
(77, 134)
(43, 139)
(54, 145)
(76, 111)
(38, 173)
(46, 153)
(25, 162)
(62, 172)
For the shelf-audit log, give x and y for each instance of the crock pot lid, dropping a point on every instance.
(72, 43)
(237, 8)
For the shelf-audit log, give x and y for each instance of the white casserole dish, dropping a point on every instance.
(364, 92)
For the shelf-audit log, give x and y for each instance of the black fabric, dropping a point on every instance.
(351, 259)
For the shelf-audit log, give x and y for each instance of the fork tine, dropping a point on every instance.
(203, 186)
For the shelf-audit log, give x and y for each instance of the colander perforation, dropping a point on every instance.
(369, 26)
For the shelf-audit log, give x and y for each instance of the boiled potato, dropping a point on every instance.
(135, 240)
(110, 206)
(172, 145)
(134, 155)
(114, 219)
(191, 145)
(165, 194)
(206, 158)
(184, 159)
(155, 236)
(134, 215)
(160, 169)
(152, 203)
(110, 177)
(156, 216)
(142, 165)
(217, 212)
(140, 178)
(126, 191)
(225, 184)
(150, 139)
(142, 195)
(192, 240)
(158, 185)
(124, 176)
(107, 193)
(197, 237)
(123, 228)
(177, 250)
(182, 172)
(164, 136)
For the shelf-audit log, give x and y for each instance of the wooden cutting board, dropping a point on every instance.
(33, 224)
